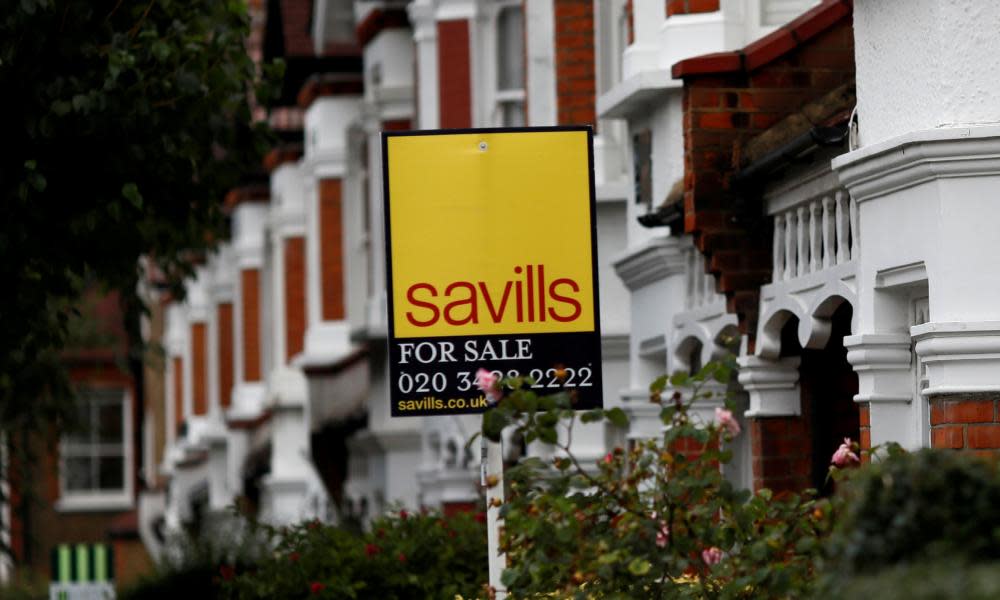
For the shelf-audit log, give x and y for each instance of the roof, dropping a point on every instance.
(770, 47)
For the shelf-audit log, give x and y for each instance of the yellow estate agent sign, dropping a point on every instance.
(491, 264)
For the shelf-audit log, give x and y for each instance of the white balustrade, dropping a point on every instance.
(814, 235)
(700, 284)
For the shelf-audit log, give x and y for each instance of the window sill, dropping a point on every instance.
(95, 503)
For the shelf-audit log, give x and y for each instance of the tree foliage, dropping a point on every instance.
(125, 123)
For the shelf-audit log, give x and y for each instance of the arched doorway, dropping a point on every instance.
(827, 385)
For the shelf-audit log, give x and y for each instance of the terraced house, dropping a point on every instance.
(809, 185)
(789, 181)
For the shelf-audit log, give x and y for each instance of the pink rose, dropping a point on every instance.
(488, 384)
(711, 556)
(726, 421)
(662, 535)
(844, 455)
(608, 458)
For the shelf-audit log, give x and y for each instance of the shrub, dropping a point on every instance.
(925, 580)
(402, 557)
(655, 521)
(194, 566)
(921, 508)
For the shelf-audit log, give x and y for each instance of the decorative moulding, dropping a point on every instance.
(655, 260)
(882, 362)
(961, 357)
(773, 386)
(919, 157)
(633, 96)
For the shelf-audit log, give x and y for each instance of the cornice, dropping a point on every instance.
(653, 261)
(919, 157)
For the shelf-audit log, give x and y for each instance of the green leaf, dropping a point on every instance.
(493, 423)
(161, 50)
(617, 417)
(548, 435)
(679, 379)
(639, 567)
(131, 193)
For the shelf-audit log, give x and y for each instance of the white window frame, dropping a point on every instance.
(80, 501)
(495, 97)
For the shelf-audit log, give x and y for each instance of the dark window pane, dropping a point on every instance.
(642, 154)
(112, 473)
(110, 418)
(78, 474)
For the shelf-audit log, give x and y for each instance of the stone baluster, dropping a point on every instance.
(828, 232)
(815, 240)
(789, 244)
(854, 226)
(843, 252)
(802, 261)
(778, 262)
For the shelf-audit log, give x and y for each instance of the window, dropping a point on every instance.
(509, 111)
(95, 461)
(642, 155)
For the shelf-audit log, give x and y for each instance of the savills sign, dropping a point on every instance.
(491, 254)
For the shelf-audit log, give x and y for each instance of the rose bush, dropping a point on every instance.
(403, 556)
(656, 520)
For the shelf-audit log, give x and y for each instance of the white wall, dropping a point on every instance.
(924, 64)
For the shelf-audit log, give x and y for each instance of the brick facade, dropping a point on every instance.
(454, 75)
(331, 250)
(250, 287)
(731, 98)
(782, 447)
(965, 422)
(295, 295)
(689, 7)
(199, 370)
(865, 429)
(224, 316)
(178, 399)
(575, 71)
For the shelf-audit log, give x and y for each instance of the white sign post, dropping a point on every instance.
(493, 482)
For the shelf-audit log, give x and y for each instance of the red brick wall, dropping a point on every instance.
(630, 15)
(864, 417)
(782, 451)
(295, 295)
(687, 7)
(331, 250)
(250, 286)
(965, 422)
(575, 73)
(225, 320)
(449, 509)
(730, 98)
(199, 370)
(454, 76)
(178, 367)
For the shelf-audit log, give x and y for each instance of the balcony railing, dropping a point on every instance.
(814, 235)
(700, 285)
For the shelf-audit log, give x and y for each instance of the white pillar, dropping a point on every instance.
(326, 126)
(425, 39)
